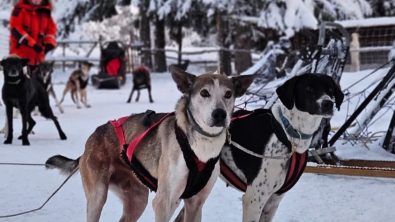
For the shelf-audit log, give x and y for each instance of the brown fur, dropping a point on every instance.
(102, 167)
(73, 85)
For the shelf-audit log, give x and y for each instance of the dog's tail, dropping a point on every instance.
(64, 164)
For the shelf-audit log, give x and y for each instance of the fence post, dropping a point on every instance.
(64, 55)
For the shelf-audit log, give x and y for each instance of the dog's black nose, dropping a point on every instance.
(219, 115)
(327, 105)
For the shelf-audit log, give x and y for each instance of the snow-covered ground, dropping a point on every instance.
(315, 198)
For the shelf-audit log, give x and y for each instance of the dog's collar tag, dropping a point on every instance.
(199, 129)
(291, 131)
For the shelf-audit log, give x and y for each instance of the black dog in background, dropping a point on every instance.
(141, 80)
(24, 93)
(184, 65)
(44, 76)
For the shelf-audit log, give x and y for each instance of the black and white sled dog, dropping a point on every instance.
(275, 143)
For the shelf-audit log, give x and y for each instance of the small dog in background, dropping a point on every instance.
(77, 84)
(141, 80)
(44, 76)
(354, 51)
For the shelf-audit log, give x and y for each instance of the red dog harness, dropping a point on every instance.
(199, 172)
(296, 167)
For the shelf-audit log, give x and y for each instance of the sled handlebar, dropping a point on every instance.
(343, 31)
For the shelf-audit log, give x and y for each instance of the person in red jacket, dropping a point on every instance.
(33, 31)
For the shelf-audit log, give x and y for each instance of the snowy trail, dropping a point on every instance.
(314, 198)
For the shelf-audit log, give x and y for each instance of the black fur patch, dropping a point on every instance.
(147, 122)
(197, 180)
(16, 12)
(254, 132)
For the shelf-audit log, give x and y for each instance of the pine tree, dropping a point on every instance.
(382, 7)
(160, 64)
(145, 31)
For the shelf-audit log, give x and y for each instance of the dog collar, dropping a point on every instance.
(199, 129)
(15, 83)
(291, 131)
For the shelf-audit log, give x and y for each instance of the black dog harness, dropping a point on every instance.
(199, 172)
(297, 161)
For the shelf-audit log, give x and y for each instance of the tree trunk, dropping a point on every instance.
(179, 42)
(160, 42)
(243, 60)
(224, 55)
(145, 34)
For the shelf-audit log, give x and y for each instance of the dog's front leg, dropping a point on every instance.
(172, 180)
(266, 183)
(9, 123)
(271, 207)
(24, 114)
(52, 92)
(77, 91)
(84, 98)
(131, 95)
(194, 205)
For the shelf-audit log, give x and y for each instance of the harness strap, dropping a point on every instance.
(137, 140)
(231, 177)
(199, 172)
(117, 124)
(296, 167)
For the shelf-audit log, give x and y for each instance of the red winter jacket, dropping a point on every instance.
(32, 28)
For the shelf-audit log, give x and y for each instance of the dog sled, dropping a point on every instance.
(112, 74)
(318, 56)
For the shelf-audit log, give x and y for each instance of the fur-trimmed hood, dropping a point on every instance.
(50, 3)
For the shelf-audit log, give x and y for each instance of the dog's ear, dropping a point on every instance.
(25, 61)
(339, 95)
(2, 62)
(286, 92)
(241, 83)
(184, 80)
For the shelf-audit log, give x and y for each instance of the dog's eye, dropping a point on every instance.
(228, 94)
(204, 93)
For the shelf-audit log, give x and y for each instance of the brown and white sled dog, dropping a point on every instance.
(77, 84)
(160, 151)
(281, 135)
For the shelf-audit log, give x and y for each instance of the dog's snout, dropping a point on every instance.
(219, 116)
(327, 105)
(13, 72)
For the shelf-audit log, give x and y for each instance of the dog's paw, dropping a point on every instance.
(63, 136)
(128, 101)
(88, 106)
(78, 107)
(20, 137)
(25, 142)
(8, 141)
(151, 101)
